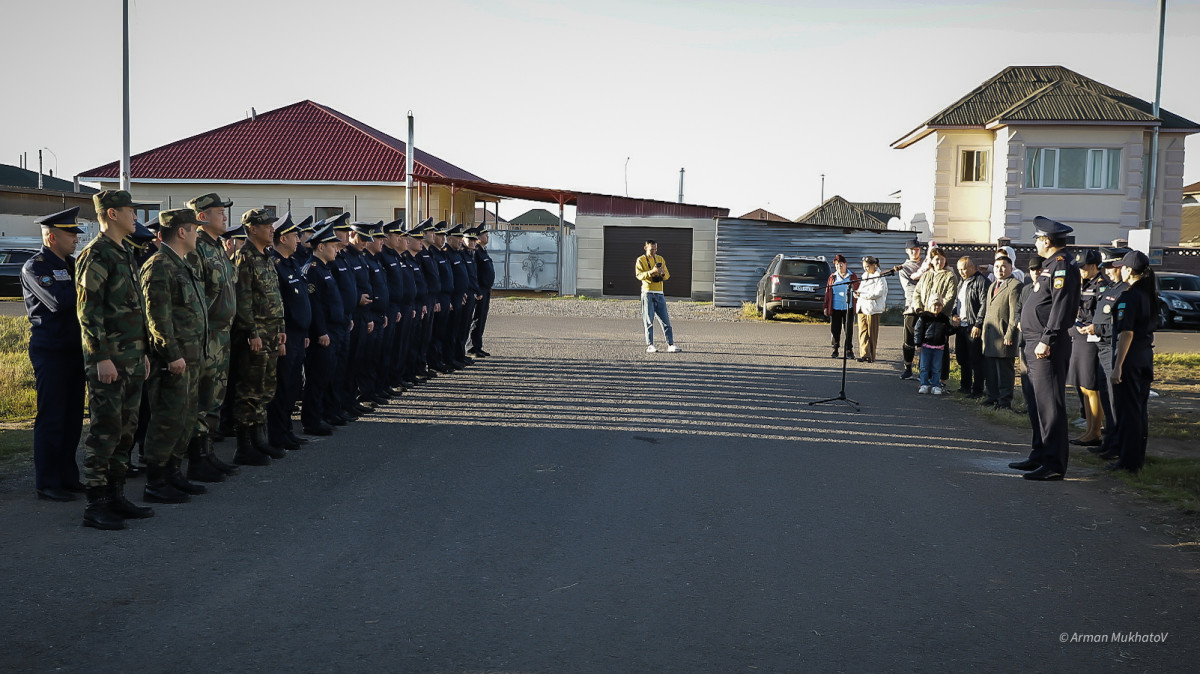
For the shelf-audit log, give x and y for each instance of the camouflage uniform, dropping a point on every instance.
(178, 323)
(259, 314)
(217, 277)
(113, 324)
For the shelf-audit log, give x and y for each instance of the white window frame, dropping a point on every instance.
(1089, 174)
(987, 167)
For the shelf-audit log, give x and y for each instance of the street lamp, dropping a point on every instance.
(55, 159)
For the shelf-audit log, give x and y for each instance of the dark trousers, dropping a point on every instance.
(356, 361)
(441, 321)
(425, 340)
(837, 324)
(288, 373)
(402, 368)
(1048, 381)
(335, 393)
(463, 329)
(999, 375)
(971, 364)
(1130, 400)
(1111, 419)
(319, 366)
(59, 380)
(909, 348)
(479, 320)
(368, 366)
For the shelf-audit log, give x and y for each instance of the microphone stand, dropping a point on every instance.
(845, 352)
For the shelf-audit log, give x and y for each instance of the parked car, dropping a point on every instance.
(792, 283)
(1178, 299)
(11, 261)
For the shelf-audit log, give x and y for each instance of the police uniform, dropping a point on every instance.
(413, 364)
(112, 322)
(440, 357)
(297, 315)
(329, 319)
(1047, 315)
(487, 278)
(374, 382)
(455, 258)
(55, 349)
(400, 293)
(344, 405)
(1102, 322)
(1136, 314)
(177, 319)
(463, 332)
(259, 316)
(434, 302)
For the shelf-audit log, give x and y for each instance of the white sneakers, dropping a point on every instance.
(938, 390)
(671, 348)
(923, 389)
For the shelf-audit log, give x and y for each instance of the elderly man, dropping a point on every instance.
(967, 320)
(1001, 335)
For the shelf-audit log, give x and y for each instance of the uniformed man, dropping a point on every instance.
(144, 243)
(48, 286)
(1109, 292)
(233, 241)
(328, 332)
(177, 318)
(257, 339)
(1046, 317)
(112, 321)
(344, 406)
(435, 244)
(487, 279)
(426, 358)
(1134, 323)
(362, 335)
(400, 293)
(297, 314)
(303, 255)
(374, 385)
(465, 287)
(413, 365)
(217, 278)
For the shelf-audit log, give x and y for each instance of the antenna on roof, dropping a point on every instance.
(253, 115)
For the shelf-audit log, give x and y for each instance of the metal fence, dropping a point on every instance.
(530, 260)
(746, 247)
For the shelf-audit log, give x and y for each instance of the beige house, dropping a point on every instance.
(1044, 140)
(306, 158)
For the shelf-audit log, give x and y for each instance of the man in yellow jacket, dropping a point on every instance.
(651, 270)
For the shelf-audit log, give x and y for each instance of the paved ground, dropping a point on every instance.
(575, 504)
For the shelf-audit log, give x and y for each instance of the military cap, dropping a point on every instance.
(456, 230)
(63, 221)
(324, 235)
(114, 199)
(377, 230)
(1109, 256)
(914, 243)
(176, 217)
(1036, 262)
(341, 221)
(1089, 256)
(238, 232)
(363, 229)
(319, 224)
(153, 225)
(258, 216)
(395, 226)
(141, 234)
(206, 201)
(1043, 226)
(1136, 260)
(285, 225)
(441, 227)
(306, 225)
(471, 233)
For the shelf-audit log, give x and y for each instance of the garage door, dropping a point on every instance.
(622, 245)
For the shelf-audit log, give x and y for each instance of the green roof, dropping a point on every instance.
(540, 217)
(1045, 94)
(15, 176)
(837, 212)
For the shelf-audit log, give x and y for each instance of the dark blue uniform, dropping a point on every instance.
(379, 309)
(56, 351)
(297, 315)
(1103, 324)
(434, 299)
(415, 362)
(462, 284)
(348, 289)
(393, 350)
(1137, 316)
(487, 278)
(329, 318)
(1047, 316)
(358, 367)
(463, 326)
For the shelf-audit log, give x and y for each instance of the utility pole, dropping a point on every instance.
(125, 95)
(1152, 191)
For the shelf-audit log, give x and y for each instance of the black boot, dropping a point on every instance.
(199, 467)
(120, 506)
(213, 459)
(176, 479)
(247, 454)
(158, 490)
(97, 514)
(259, 438)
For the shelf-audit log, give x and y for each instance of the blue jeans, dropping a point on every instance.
(655, 304)
(931, 366)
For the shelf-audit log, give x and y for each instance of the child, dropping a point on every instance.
(931, 334)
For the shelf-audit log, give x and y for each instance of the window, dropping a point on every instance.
(149, 214)
(326, 212)
(398, 213)
(1073, 168)
(271, 210)
(974, 166)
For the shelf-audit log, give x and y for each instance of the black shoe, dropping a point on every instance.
(380, 399)
(1043, 474)
(97, 514)
(468, 360)
(324, 429)
(336, 420)
(1115, 465)
(835, 353)
(55, 494)
(360, 409)
(158, 490)
(214, 460)
(1111, 455)
(199, 466)
(1027, 464)
(176, 479)
(1090, 443)
(907, 374)
(258, 435)
(284, 443)
(481, 352)
(121, 507)
(1098, 449)
(396, 391)
(247, 454)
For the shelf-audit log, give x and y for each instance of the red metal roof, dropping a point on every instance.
(305, 141)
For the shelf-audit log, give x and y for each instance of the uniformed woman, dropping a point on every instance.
(1102, 328)
(1084, 368)
(1133, 364)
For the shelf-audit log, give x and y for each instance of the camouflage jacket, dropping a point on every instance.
(259, 303)
(176, 313)
(112, 314)
(217, 278)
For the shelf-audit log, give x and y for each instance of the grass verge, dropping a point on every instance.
(18, 401)
(751, 313)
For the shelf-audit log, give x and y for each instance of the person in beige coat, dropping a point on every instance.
(938, 286)
(871, 295)
(1001, 335)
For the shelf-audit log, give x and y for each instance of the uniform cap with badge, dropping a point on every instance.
(340, 222)
(238, 232)
(362, 229)
(285, 225)
(258, 216)
(1109, 256)
(306, 225)
(440, 227)
(63, 221)
(471, 233)
(1051, 229)
(1136, 260)
(324, 235)
(115, 199)
(177, 217)
(207, 201)
(456, 230)
(1089, 256)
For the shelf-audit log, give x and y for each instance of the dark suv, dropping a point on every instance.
(792, 283)
(1179, 299)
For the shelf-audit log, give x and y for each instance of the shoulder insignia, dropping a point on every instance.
(1107, 309)
(1060, 258)
(312, 288)
(1061, 272)
(46, 281)
(38, 258)
(1121, 305)
(1058, 283)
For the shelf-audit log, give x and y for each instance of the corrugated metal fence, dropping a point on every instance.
(745, 247)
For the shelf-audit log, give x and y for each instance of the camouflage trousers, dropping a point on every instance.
(214, 377)
(113, 414)
(253, 375)
(172, 417)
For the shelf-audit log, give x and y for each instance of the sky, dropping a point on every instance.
(754, 99)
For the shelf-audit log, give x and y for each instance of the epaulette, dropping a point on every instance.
(1060, 258)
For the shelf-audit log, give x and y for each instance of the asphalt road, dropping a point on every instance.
(574, 504)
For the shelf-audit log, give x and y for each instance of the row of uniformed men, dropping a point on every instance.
(362, 301)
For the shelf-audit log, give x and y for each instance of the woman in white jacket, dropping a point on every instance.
(872, 295)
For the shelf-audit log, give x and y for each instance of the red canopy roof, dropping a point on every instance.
(305, 141)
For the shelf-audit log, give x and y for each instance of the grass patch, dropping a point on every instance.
(751, 313)
(14, 441)
(1173, 480)
(18, 401)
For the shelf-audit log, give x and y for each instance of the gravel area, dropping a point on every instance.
(683, 310)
